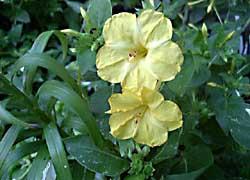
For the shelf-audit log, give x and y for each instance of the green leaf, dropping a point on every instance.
(9, 118)
(23, 16)
(86, 60)
(170, 148)
(239, 120)
(64, 42)
(194, 72)
(75, 103)
(72, 121)
(202, 72)
(99, 100)
(57, 152)
(74, 5)
(41, 42)
(94, 159)
(38, 165)
(182, 81)
(38, 47)
(126, 147)
(172, 8)
(99, 11)
(216, 102)
(79, 172)
(196, 160)
(20, 173)
(6, 87)
(7, 142)
(45, 61)
(15, 155)
(135, 177)
(15, 33)
(232, 115)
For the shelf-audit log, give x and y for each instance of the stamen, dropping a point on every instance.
(132, 55)
(138, 117)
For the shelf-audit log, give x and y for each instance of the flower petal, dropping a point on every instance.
(151, 131)
(126, 131)
(155, 28)
(109, 55)
(139, 77)
(173, 125)
(169, 113)
(114, 73)
(151, 97)
(124, 125)
(120, 29)
(165, 61)
(124, 102)
(119, 119)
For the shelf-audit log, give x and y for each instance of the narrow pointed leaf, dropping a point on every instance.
(17, 154)
(45, 61)
(38, 165)
(7, 142)
(41, 42)
(9, 118)
(38, 47)
(75, 103)
(57, 153)
(6, 87)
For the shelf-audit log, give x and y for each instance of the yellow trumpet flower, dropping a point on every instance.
(143, 116)
(138, 51)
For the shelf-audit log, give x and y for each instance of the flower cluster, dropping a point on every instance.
(138, 53)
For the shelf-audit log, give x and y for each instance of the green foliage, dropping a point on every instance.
(95, 159)
(53, 120)
(57, 152)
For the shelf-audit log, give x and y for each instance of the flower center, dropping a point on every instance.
(137, 54)
(138, 116)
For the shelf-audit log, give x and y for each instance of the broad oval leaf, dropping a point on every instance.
(182, 81)
(94, 159)
(169, 150)
(99, 11)
(232, 115)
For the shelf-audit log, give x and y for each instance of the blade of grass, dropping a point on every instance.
(7, 142)
(9, 118)
(38, 47)
(7, 87)
(57, 152)
(38, 165)
(16, 155)
(75, 103)
(45, 61)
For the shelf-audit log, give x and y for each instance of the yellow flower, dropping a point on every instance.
(138, 51)
(144, 116)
